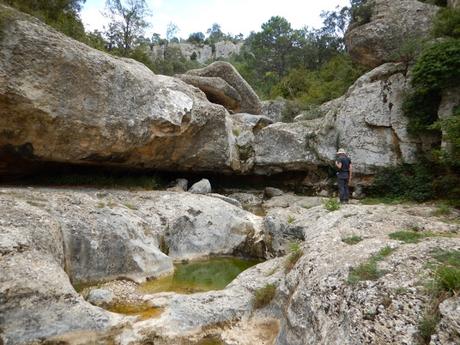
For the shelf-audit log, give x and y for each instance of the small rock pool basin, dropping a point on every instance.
(199, 276)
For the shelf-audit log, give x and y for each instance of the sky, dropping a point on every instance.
(234, 16)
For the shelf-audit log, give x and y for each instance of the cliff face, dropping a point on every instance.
(61, 101)
(202, 53)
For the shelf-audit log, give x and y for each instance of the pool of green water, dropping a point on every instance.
(199, 276)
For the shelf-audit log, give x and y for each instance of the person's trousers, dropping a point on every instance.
(344, 192)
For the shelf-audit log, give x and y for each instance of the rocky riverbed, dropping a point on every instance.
(52, 238)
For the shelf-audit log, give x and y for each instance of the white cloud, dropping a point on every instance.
(236, 16)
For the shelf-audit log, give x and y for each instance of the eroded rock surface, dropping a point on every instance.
(367, 121)
(63, 101)
(320, 306)
(249, 103)
(313, 301)
(394, 25)
(54, 236)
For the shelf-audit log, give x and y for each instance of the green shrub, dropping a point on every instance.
(421, 108)
(413, 182)
(331, 204)
(314, 87)
(438, 66)
(436, 2)
(437, 69)
(361, 11)
(451, 129)
(63, 15)
(352, 239)
(447, 23)
(419, 182)
(263, 296)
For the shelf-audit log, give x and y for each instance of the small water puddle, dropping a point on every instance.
(143, 311)
(199, 276)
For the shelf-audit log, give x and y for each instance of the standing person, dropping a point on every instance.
(343, 164)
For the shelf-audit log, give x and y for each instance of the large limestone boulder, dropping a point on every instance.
(367, 121)
(249, 103)
(63, 101)
(216, 89)
(394, 24)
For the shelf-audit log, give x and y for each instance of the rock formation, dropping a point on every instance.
(314, 302)
(52, 237)
(62, 101)
(274, 109)
(368, 121)
(202, 53)
(216, 89)
(249, 103)
(394, 25)
(318, 303)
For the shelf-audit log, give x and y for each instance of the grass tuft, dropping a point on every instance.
(409, 236)
(291, 219)
(445, 283)
(442, 210)
(427, 326)
(131, 206)
(351, 240)
(368, 270)
(331, 205)
(264, 296)
(293, 257)
(414, 236)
